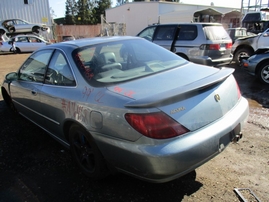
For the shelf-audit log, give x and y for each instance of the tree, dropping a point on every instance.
(70, 12)
(100, 8)
(85, 12)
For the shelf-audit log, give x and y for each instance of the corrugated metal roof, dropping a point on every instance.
(36, 11)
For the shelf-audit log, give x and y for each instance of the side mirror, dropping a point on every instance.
(12, 76)
(265, 34)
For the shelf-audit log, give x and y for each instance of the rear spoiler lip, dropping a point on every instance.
(158, 99)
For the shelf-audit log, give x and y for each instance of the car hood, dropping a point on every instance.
(246, 37)
(190, 94)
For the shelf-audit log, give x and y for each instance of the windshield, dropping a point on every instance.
(123, 60)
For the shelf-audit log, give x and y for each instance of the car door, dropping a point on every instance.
(23, 44)
(25, 91)
(164, 36)
(263, 41)
(21, 26)
(58, 90)
(34, 43)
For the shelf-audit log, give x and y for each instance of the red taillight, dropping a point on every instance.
(155, 125)
(238, 91)
(210, 47)
(228, 45)
(214, 46)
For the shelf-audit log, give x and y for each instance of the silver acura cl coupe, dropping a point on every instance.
(126, 104)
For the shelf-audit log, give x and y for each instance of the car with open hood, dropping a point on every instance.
(17, 26)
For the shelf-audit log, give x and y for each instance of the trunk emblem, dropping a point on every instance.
(177, 110)
(217, 97)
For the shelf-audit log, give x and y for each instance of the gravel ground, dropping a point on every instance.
(34, 167)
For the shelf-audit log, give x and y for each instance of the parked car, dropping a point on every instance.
(24, 43)
(126, 104)
(248, 45)
(258, 64)
(238, 32)
(68, 38)
(20, 26)
(202, 43)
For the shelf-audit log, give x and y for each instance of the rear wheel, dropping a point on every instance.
(242, 52)
(16, 51)
(36, 30)
(11, 29)
(263, 73)
(86, 153)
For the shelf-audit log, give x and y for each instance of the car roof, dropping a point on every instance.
(95, 40)
(12, 19)
(190, 23)
(237, 28)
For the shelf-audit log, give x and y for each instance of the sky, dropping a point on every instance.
(59, 6)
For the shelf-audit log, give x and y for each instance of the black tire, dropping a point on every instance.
(263, 73)
(183, 56)
(242, 52)
(16, 51)
(8, 101)
(11, 29)
(36, 30)
(86, 153)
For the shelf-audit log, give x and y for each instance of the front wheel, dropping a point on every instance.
(242, 52)
(86, 153)
(263, 73)
(8, 101)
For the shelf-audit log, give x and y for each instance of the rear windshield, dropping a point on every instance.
(216, 33)
(123, 60)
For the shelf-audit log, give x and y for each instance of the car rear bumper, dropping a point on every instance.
(212, 62)
(164, 160)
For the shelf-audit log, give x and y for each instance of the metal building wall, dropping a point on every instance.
(36, 11)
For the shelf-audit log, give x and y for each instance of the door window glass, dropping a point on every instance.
(147, 33)
(187, 32)
(35, 66)
(165, 33)
(59, 72)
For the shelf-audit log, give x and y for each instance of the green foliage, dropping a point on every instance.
(85, 12)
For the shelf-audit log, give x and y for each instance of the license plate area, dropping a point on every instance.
(229, 137)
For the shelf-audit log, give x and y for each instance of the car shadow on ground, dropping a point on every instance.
(34, 167)
(252, 89)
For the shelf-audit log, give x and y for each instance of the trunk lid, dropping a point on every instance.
(194, 100)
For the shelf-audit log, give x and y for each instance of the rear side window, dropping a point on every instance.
(59, 72)
(187, 32)
(215, 33)
(165, 33)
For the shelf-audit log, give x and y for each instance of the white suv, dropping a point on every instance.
(203, 43)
